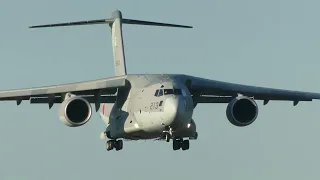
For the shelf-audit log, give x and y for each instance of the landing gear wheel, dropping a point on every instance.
(114, 144)
(110, 145)
(176, 144)
(118, 145)
(185, 145)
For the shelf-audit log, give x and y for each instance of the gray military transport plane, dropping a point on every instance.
(148, 106)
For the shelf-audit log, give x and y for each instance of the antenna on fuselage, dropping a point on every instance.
(115, 23)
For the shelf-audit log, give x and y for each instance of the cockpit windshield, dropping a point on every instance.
(161, 92)
(168, 91)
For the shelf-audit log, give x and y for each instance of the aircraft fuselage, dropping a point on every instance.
(153, 104)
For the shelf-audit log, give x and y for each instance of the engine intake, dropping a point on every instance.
(75, 111)
(242, 111)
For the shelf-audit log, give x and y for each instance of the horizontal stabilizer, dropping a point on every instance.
(115, 15)
(150, 23)
(110, 21)
(76, 23)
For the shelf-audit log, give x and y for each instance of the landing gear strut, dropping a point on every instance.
(168, 134)
(168, 137)
(114, 144)
(180, 143)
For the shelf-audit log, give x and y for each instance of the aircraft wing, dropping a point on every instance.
(105, 88)
(212, 91)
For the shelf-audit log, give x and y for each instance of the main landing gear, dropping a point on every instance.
(114, 144)
(180, 144)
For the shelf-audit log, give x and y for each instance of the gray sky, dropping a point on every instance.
(266, 43)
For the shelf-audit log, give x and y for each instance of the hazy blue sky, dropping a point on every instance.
(272, 43)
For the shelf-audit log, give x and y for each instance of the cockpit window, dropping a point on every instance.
(172, 91)
(168, 91)
(156, 94)
(160, 92)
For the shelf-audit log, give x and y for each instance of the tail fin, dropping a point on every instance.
(115, 23)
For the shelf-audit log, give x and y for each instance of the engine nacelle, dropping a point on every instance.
(75, 111)
(242, 111)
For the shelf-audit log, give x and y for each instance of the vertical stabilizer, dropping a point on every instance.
(117, 44)
(115, 22)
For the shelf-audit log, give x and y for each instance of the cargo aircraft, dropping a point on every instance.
(148, 106)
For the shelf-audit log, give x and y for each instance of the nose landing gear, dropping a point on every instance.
(168, 134)
(180, 144)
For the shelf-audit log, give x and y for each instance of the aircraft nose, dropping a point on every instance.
(170, 110)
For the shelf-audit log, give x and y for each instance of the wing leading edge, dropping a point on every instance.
(105, 88)
(212, 91)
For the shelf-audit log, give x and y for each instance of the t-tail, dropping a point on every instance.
(115, 22)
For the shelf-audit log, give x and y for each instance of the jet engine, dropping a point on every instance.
(242, 111)
(75, 111)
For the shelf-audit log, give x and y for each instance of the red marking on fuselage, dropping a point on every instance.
(103, 106)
